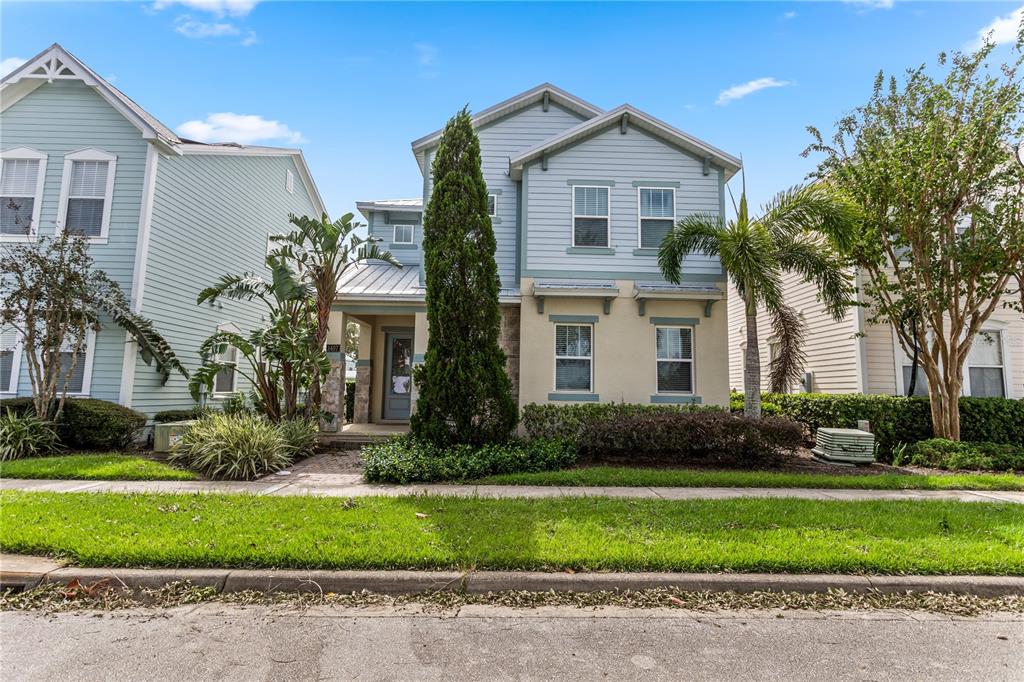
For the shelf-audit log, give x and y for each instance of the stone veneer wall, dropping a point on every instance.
(508, 339)
(332, 396)
(361, 409)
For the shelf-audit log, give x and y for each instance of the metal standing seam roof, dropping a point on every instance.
(383, 282)
(664, 288)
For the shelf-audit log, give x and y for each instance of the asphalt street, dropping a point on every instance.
(223, 642)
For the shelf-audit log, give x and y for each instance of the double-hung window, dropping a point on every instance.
(226, 380)
(21, 186)
(590, 216)
(81, 373)
(10, 353)
(657, 215)
(492, 205)
(87, 191)
(574, 357)
(404, 234)
(985, 365)
(674, 347)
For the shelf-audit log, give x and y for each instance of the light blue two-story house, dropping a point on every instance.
(164, 216)
(580, 199)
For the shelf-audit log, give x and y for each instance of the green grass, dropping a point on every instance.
(590, 533)
(94, 467)
(692, 478)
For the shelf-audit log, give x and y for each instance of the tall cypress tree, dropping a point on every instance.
(465, 396)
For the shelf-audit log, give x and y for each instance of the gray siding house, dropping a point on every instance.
(579, 198)
(165, 217)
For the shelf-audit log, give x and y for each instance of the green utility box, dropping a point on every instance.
(845, 446)
(166, 436)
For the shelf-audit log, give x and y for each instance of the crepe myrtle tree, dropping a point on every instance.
(53, 296)
(799, 231)
(930, 161)
(322, 252)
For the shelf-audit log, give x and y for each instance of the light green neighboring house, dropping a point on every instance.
(165, 216)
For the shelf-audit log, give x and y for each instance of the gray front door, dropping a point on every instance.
(397, 375)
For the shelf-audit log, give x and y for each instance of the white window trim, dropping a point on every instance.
(692, 359)
(640, 218)
(90, 354)
(221, 395)
(289, 181)
(90, 154)
(412, 233)
(993, 327)
(495, 213)
(11, 389)
(574, 216)
(27, 153)
(557, 357)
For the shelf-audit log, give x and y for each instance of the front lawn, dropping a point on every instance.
(426, 532)
(94, 467)
(695, 478)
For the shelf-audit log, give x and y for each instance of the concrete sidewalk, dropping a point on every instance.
(352, 485)
(26, 572)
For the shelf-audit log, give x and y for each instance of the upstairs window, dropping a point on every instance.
(574, 352)
(985, 366)
(657, 215)
(21, 184)
(492, 205)
(404, 234)
(87, 192)
(289, 181)
(590, 217)
(674, 359)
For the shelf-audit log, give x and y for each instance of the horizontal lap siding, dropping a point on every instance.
(211, 216)
(831, 347)
(881, 359)
(381, 225)
(66, 116)
(623, 159)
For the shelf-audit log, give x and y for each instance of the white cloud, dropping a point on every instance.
(1001, 30)
(872, 4)
(742, 90)
(193, 28)
(220, 8)
(789, 15)
(250, 39)
(10, 64)
(426, 54)
(240, 128)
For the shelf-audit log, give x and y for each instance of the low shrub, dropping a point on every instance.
(300, 435)
(25, 436)
(767, 409)
(168, 416)
(19, 406)
(97, 424)
(408, 460)
(947, 454)
(552, 421)
(707, 437)
(233, 446)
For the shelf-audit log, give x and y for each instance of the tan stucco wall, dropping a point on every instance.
(624, 347)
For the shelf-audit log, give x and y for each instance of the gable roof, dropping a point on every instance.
(625, 115)
(56, 63)
(396, 205)
(512, 104)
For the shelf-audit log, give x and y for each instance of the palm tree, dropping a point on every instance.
(801, 230)
(323, 252)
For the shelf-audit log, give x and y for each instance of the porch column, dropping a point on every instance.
(419, 349)
(361, 409)
(333, 389)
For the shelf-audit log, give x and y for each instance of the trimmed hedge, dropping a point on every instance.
(551, 421)
(168, 416)
(407, 460)
(946, 454)
(89, 423)
(896, 419)
(679, 438)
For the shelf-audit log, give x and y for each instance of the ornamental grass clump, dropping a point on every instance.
(26, 436)
(236, 447)
(300, 435)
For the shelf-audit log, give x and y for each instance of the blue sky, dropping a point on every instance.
(354, 84)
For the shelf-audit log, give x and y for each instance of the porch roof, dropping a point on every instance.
(384, 282)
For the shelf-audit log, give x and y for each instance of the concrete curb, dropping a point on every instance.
(412, 582)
